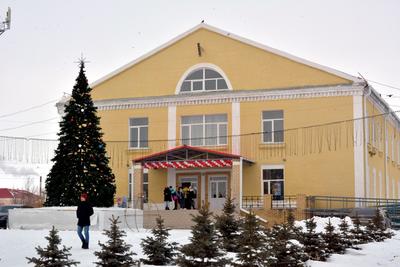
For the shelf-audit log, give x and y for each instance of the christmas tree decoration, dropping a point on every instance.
(52, 255)
(79, 147)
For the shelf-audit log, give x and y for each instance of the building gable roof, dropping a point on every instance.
(234, 37)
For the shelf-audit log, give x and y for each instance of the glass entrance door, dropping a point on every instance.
(218, 186)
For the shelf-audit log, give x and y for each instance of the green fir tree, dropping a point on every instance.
(115, 253)
(332, 239)
(345, 234)
(360, 236)
(228, 226)
(287, 251)
(80, 161)
(314, 244)
(253, 248)
(157, 249)
(203, 249)
(52, 255)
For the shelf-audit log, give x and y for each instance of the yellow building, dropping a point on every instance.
(225, 114)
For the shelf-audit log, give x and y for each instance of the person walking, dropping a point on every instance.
(83, 213)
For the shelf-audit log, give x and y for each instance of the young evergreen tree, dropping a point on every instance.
(332, 239)
(360, 236)
(314, 244)
(381, 231)
(287, 251)
(252, 249)
(80, 161)
(294, 231)
(345, 234)
(157, 249)
(52, 255)
(227, 226)
(115, 253)
(203, 249)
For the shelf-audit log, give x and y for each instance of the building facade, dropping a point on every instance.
(227, 115)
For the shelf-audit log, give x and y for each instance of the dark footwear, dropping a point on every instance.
(85, 245)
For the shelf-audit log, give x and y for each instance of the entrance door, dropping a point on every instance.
(218, 186)
(187, 181)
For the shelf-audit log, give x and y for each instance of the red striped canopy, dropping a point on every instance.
(185, 164)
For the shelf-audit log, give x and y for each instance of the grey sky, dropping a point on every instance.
(37, 55)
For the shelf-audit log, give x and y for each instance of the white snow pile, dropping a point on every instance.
(323, 221)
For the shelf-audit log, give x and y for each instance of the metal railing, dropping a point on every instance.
(252, 202)
(333, 202)
(288, 202)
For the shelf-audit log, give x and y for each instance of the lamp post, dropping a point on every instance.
(5, 25)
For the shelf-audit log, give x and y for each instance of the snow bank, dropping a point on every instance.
(323, 221)
(64, 218)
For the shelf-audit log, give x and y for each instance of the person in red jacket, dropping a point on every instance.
(83, 213)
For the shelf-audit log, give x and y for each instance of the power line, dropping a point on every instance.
(27, 109)
(383, 84)
(28, 124)
(238, 135)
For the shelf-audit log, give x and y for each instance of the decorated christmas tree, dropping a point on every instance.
(80, 162)
(228, 226)
(157, 249)
(203, 249)
(115, 252)
(313, 243)
(253, 248)
(52, 255)
(332, 239)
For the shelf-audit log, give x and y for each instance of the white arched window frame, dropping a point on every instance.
(203, 80)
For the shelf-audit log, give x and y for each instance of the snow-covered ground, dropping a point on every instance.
(15, 245)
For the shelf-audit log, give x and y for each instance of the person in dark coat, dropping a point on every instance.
(83, 213)
(167, 197)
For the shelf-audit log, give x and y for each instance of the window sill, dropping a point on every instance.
(272, 145)
(138, 149)
(216, 147)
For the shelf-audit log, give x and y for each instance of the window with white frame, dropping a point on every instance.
(203, 79)
(273, 182)
(272, 126)
(204, 130)
(138, 132)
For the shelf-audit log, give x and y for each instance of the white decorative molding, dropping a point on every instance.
(228, 97)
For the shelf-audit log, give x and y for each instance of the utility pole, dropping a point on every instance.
(5, 25)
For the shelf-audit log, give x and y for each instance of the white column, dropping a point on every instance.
(171, 126)
(171, 181)
(358, 147)
(235, 127)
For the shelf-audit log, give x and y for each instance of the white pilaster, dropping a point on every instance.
(358, 147)
(171, 126)
(235, 128)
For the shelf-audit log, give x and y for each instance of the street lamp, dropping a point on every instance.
(5, 25)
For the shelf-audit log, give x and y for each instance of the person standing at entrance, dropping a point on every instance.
(83, 213)
(167, 197)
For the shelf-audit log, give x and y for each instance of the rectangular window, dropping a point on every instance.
(138, 132)
(273, 181)
(205, 130)
(272, 124)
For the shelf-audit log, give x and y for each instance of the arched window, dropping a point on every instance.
(203, 79)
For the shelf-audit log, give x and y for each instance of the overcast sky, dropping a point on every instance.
(38, 53)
